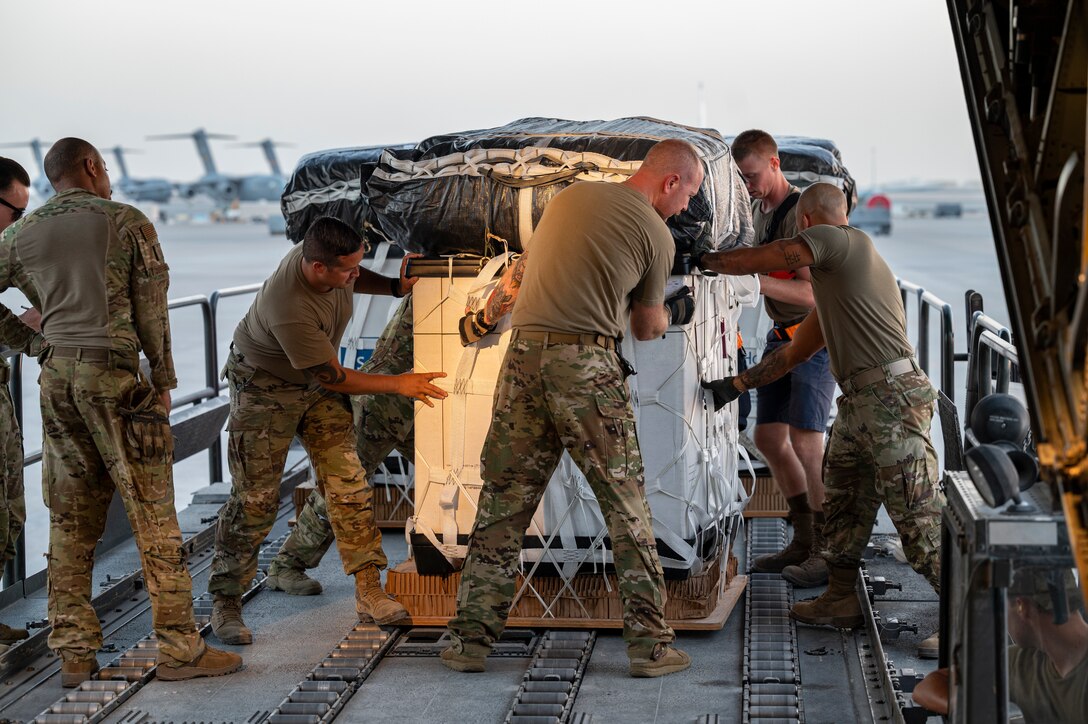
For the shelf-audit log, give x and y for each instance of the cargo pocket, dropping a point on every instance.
(619, 444)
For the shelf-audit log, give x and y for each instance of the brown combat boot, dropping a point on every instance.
(74, 673)
(291, 580)
(464, 662)
(227, 621)
(838, 606)
(212, 662)
(372, 602)
(664, 660)
(813, 572)
(930, 648)
(9, 635)
(800, 548)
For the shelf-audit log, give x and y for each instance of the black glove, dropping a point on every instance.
(681, 306)
(724, 391)
(473, 328)
(697, 263)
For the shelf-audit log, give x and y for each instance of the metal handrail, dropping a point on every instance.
(980, 371)
(928, 301)
(223, 294)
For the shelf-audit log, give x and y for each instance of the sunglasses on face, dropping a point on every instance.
(17, 213)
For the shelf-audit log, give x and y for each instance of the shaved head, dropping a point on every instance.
(673, 156)
(66, 157)
(824, 203)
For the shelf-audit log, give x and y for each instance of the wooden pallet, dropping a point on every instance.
(694, 604)
(715, 621)
(767, 501)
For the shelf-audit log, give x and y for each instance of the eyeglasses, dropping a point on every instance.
(17, 213)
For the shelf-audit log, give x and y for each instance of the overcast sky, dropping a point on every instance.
(879, 78)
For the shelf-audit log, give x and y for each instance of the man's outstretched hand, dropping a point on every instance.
(724, 391)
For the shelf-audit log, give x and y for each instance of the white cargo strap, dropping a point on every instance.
(525, 216)
(454, 481)
(336, 191)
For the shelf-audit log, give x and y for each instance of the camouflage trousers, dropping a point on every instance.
(12, 504)
(382, 423)
(550, 399)
(85, 457)
(880, 452)
(266, 413)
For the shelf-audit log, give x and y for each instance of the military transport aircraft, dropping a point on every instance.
(224, 189)
(157, 190)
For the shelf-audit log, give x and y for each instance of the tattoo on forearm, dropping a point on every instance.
(502, 299)
(769, 369)
(327, 374)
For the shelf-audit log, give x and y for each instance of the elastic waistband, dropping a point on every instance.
(552, 338)
(886, 371)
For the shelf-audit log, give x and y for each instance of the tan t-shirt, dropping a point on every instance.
(861, 312)
(778, 311)
(291, 326)
(1043, 696)
(598, 247)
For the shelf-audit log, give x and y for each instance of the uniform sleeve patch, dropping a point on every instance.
(148, 232)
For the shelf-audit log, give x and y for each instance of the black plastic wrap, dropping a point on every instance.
(328, 183)
(808, 160)
(479, 191)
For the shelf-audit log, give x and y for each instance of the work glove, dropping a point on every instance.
(724, 391)
(681, 306)
(697, 263)
(473, 328)
(147, 429)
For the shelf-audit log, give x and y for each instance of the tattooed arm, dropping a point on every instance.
(505, 294)
(807, 340)
(782, 254)
(335, 377)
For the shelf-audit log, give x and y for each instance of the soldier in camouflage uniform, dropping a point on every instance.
(95, 269)
(601, 253)
(15, 336)
(879, 450)
(382, 423)
(286, 380)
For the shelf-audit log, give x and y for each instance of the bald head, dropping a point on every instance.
(673, 156)
(75, 163)
(821, 203)
(670, 176)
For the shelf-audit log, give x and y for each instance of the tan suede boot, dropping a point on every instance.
(664, 660)
(212, 662)
(813, 571)
(9, 635)
(227, 621)
(372, 602)
(930, 648)
(838, 606)
(74, 673)
(291, 580)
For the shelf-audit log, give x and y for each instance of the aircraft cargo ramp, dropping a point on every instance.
(312, 661)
